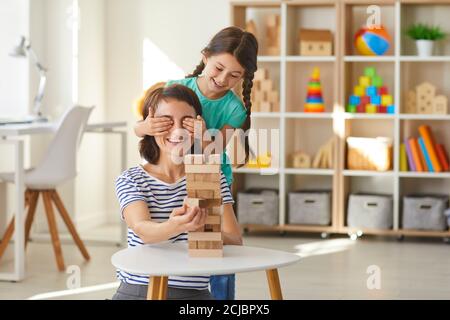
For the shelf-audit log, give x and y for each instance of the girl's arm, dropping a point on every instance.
(152, 126)
(230, 228)
(181, 220)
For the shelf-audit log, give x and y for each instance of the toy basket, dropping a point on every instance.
(369, 153)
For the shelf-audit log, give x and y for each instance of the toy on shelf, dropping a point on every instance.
(370, 95)
(322, 160)
(315, 42)
(425, 101)
(264, 97)
(261, 161)
(374, 154)
(324, 157)
(250, 26)
(301, 160)
(314, 100)
(372, 41)
(424, 154)
(204, 190)
(273, 34)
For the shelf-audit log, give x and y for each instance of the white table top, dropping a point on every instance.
(167, 259)
(13, 130)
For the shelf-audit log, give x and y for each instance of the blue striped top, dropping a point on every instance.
(136, 184)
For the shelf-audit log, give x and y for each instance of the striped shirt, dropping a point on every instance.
(136, 184)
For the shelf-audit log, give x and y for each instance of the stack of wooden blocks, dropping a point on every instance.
(273, 35)
(264, 97)
(425, 101)
(204, 191)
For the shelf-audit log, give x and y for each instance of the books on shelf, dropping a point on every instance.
(423, 153)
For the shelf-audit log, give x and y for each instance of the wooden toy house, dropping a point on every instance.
(314, 42)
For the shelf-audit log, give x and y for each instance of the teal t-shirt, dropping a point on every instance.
(227, 110)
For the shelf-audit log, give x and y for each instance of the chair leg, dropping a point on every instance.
(62, 210)
(10, 230)
(7, 237)
(33, 200)
(53, 230)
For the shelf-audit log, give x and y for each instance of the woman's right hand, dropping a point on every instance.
(185, 219)
(152, 126)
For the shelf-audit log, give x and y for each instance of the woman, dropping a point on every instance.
(151, 196)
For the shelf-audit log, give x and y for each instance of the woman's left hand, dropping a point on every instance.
(188, 124)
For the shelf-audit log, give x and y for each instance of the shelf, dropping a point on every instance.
(424, 117)
(275, 115)
(425, 59)
(310, 58)
(413, 174)
(308, 115)
(269, 58)
(289, 227)
(377, 116)
(322, 172)
(369, 58)
(367, 173)
(399, 232)
(262, 171)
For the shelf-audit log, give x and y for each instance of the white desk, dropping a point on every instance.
(12, 134)
(159, 261)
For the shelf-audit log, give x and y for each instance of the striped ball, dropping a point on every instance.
(372, 41)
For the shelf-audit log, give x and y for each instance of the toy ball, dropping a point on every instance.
(372, 41)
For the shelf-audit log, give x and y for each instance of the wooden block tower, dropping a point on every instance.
(264, 97)
(203, 189)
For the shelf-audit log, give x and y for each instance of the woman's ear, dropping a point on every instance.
(204, 59)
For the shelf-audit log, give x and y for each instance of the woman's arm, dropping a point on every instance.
(181, 220)
(230, 228)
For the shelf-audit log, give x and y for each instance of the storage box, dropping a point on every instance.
(426, 212)
(310, 207)
(258, 206)
(369, 153)
(370, 211)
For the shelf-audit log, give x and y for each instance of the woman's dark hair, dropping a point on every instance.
(244, 47)
(148, 148)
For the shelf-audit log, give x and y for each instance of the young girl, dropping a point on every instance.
(151, 196)
(228, 58)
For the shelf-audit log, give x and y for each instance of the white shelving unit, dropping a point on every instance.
(401, 70)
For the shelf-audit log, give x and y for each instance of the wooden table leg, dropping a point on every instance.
(154, 284)
(163, 288)
(274, 284)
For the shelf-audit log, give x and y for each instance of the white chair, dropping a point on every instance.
(57, 167)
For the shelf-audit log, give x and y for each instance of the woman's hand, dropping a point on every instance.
(152, 126)
(186, 219)
(188, 124)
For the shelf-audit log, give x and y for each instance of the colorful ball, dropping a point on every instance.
(372, 41)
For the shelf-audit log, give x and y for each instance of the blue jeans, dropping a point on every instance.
(222, 287)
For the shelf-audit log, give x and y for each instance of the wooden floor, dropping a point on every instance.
(334, 268)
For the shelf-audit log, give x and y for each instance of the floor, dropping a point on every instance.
(335, 268)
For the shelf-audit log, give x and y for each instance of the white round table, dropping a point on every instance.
(158, 261)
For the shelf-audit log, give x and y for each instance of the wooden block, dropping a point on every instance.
(205, 253)
(192, 244)
(204, 185)
(266, 85)
(301, 160)
(260, 74)
(250, 26)
(272, 96)
(194, 159)
(318, 158)
(204, 168)
(216, 228)
(213, 219)
(411, 102)
(191, 193)
(205, 194)
(275, 106)
(202, 203)
(214, 159)
(209, 245)
(265, 106)
(217, 210)
(440, 105)
(205, 236)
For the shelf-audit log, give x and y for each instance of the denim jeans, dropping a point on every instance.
(223, 286)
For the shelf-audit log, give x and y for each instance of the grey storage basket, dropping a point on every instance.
(370, 211)
(310, 207)
(426, 212)
(258, 206)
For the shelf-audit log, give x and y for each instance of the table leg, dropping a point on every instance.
(274, 284)
(163, 288)
(154, 284)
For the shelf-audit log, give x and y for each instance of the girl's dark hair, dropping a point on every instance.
(148, 148)
(244, 46)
